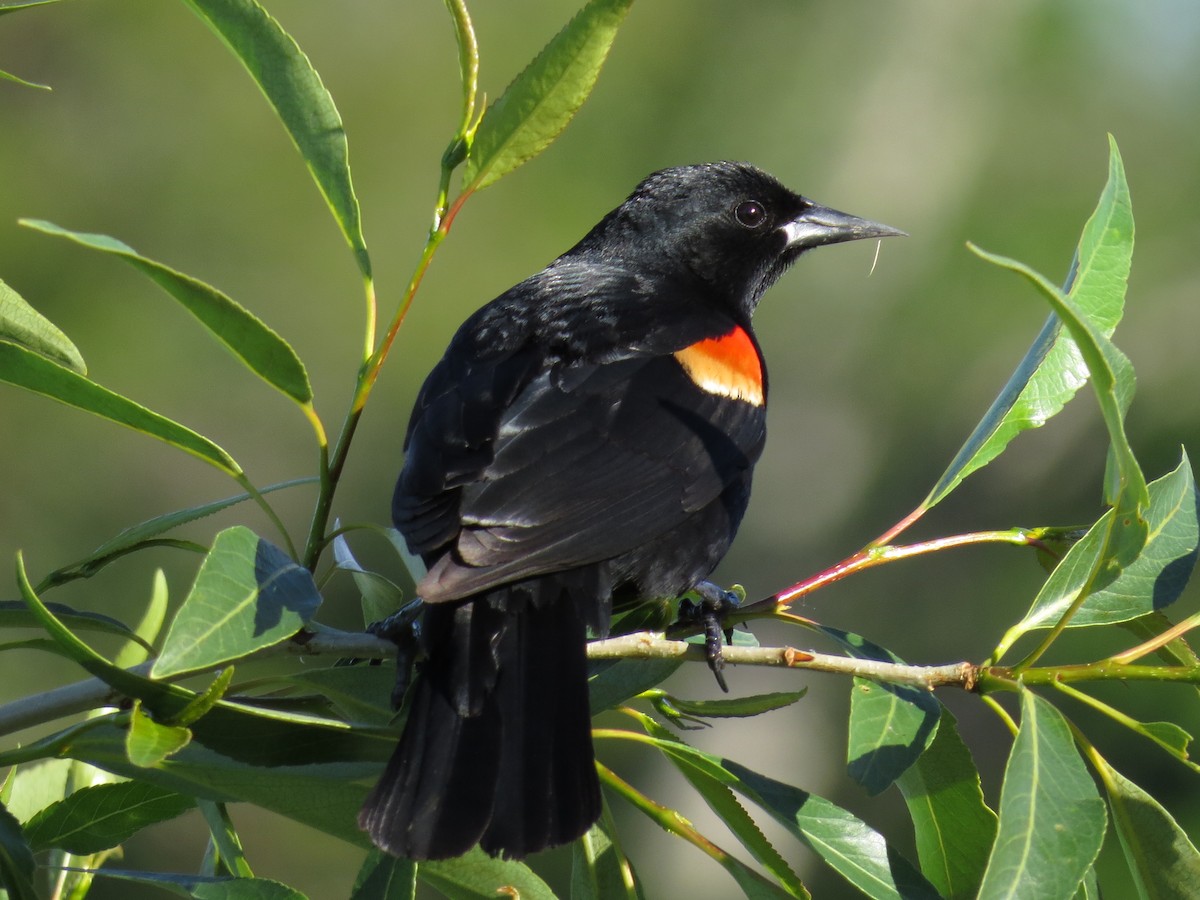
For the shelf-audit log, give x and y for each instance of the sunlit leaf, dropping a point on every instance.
(248, 594)
(954, 826)
(28, 370)
(148, 742)
(599, 868)
(21, 324)
(206, 887)
(477, 875)
(292, 86)
(1052, 820)
(103, 816)
(540, 102)
(1053, 370)
(267, 354)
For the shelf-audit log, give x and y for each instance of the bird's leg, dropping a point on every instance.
(403, 629)
(715, 604)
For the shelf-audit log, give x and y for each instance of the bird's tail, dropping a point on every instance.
(497, 748)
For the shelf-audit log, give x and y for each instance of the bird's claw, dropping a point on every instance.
(403, 629)
(715, 604)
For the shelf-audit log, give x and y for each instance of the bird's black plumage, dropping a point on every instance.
(592, 429)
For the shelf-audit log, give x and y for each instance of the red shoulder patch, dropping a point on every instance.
(727, 366)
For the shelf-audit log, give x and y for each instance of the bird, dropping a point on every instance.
(591, 433)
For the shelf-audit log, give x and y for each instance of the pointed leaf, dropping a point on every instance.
(15, 614)
(206, 887)
(1053, 370)
(1051, 818)
(102, 817)
(16, 859)
(35, 373)
(146, 632)
(540, 102)
(1162, 859)
(477, 875)
(248, 595)
(612, 682)
(1152, 582)
(599, 869)
(954, 826)
(21, 324)
(304, 106)
(267, 354)
(14, 7)
(734, 707)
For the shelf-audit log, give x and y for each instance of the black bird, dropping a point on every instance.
(591, 430)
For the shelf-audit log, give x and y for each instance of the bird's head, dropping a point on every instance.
(728, 225)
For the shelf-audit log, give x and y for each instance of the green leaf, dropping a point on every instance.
(1051, 818)
(1150, 583)
(266, 354)
(1162, 859)
(16, 859)
(15, 614)
(206, 887)
(9, 76)
(306, 109)
(360, 693)
(384, 877)
(148, 742)
(954, 826)
(380, 595)
(147, 630)
(478, 876)
(1053, 370)
(719, 797)
(540, 102)
(599, 868)
(890, 724)
(612, 682)
(735, 707)
(15, 7)
(102, 817)
(248, 595)
(21, 324)
(28, 370)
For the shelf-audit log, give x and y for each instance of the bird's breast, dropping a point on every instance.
(727, 365)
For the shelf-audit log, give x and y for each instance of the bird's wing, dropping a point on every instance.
(580, 463)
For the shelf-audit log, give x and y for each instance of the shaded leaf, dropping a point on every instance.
(206, 887)
(248, 595)
(21, 324)
(384, 877)
(360, 693)
(304, 106)
(28, 370)
(380, 596)
(954, 826)
(1162, 859)
(1053, 370)
(16, 859)
(148, 628)
(477, 875)
(267, 354)
(599, 868)
(1051, 818)
(15, 614)
(537, 106)
(102, 817)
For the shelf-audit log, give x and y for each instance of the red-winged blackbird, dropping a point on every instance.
(592, 430)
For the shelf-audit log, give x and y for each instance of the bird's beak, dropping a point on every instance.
(819, 225)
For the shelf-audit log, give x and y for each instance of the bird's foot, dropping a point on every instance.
(715, 604)
(403, 629)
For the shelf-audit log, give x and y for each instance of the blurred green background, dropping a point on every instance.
(971, 121)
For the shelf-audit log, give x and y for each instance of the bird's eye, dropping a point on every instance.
(750, 213)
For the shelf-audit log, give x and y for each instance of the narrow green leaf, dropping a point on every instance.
(1090, 888)
(540, 102)
(719, 797)
(15, 614)
(248, 595)
(148, 742)
(148, 628)
(612, 682)
(292, 86)
(9, 76)
(206, 887)
(360, 693)
(28, 370)
(1150, 583)
(599, 868)
(225, 844)
(734, 707)
(21, 324)
(1162, 859)
(102, 817)
(954, 826)
(384, 877)
(380, 596)
(1053, 370)
(1051, 818)
(16, 7)
(477, 875)
(266, 354)
(16, 859)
